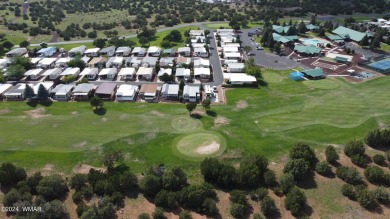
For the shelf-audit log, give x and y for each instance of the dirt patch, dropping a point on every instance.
(81, 144)
(4, 111)
(37, 113)
(156, 113)
(48, 169)
(104, 119)
(74, 113)
(199, 112)
(208, 149)
(242, 104)
(85, 168)
(220, 120)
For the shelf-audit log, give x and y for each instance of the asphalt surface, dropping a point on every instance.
(265, 59)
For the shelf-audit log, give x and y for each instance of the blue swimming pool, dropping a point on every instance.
(314, 42)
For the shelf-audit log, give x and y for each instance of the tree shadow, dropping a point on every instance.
(100, 111)
(196, 116)
(211, 113)
(262, 83)
(132, 194)
(248, 211)
(275, 215)
(308, 183)
(307, 211)
(32, 104)
(46, 103)
(335, 164)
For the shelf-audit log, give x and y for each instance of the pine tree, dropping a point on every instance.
(302, 28)
(28, 92)
(42, 94)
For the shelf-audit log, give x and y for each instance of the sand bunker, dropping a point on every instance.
(208, 149)
(37, 113)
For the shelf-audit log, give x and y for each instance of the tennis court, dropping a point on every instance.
(382, 65)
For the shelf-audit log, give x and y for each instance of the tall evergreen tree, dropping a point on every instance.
(302, 28)
(42, 94)
(28, 92)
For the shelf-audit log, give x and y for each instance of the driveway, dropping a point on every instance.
(265, 59)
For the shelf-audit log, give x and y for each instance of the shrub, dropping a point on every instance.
(286, 182)
(366, 199)
(387, 155)
(295, 201)
(158, 213)
(299, 168)
(165, 199)
(259, 194)
(270, 179)
(348, 174)
(381, 195)
(77, 197)
(209, 207)
(348, 191)
(359, 160)
(331, 154)
(268, 206)
(303, 151)
(237, 210)
(239, 197)
(323, 168)
(374, 174)
(52, 187)
(185, 215)
(379, 159)
(144, 216)
(386, 179)
(354, 147)
(257, 216)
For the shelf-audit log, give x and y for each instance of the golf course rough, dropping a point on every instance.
(200, 145)
(325, 84)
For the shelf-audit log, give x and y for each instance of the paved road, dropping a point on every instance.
(215, 61)
(265, 59)
(199, 24)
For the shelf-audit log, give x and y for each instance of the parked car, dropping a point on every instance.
(250, 54)
(259, 48)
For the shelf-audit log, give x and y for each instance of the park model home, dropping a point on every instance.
(154, 51)
(106, 91)
(94, 52)
(17, 92)
(108, 73)
(89, 73)
(123, 51)
(3, 89)
(34, 74)
(47, 52)
(4, 63)
(183, 74)
(167, 71)
(149, 92)
(184, 51)
(47, 63)
(191, 93)
(170, 91)
(62, 92)
(235, 67)
(71, 71)
(16, 52)
(145, 74)
(202, 72)
(139, 51)
(201, 52)
(97, 62)
(116, 62)
(201, 63)
(82, 91)
(126, 92)
(108, 51)
(127, 74)
(34, 61)
(52, 73)
(239, 78)
(62, 62)
(78, 50)
(149, 61)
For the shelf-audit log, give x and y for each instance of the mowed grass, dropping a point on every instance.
(268, 121)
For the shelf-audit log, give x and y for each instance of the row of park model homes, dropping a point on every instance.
(122, 63)
(109, 91)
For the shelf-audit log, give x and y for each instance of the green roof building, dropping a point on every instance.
(314, 74)
(307, 50)
(347, 33)
(312, 27)
(284, 39)
(280, 29)
(336, 38)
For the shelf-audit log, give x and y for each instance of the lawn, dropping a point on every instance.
(67, 47)
(268, 120)
(160, 36)
(226, 25)
(385, 47)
